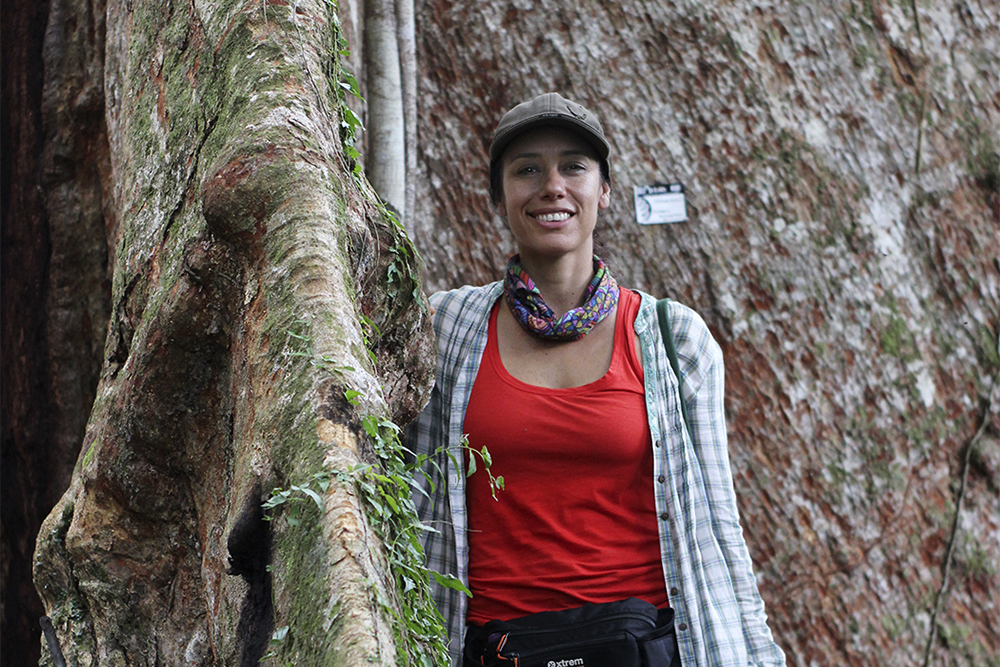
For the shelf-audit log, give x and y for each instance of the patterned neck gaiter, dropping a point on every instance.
(530, 309)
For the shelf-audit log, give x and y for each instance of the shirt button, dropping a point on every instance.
(656, 444)
(682, 627)
(664, 516)
(673, 591)
(661, 479)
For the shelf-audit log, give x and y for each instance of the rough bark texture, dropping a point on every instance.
(243, 256)
(842, 177)
(55, 287)
(24, 249)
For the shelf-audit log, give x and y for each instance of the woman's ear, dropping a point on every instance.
(502, 209)
(605, 200)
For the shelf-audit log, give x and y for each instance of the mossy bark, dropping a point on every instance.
(245, 257)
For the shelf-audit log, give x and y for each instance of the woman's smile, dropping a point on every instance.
(556, 218)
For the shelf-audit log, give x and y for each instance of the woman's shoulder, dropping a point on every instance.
(465, 297)
(457, 309)
(460, 295)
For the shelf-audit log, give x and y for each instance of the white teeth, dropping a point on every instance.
(553, 217)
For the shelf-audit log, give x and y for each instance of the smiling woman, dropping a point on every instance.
(564, 379)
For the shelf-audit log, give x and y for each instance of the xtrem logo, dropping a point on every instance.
(575, 662)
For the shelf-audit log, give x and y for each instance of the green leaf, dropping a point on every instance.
(279, 635)
(385, 423)
(450, 581)
(278, 497)
(426, 528)
(351, 120)
(315, 496)
(370, 425)
(392, 503)
(368, 322)
(351, 84)
(416, 486)
(472, 464)
(352, 396)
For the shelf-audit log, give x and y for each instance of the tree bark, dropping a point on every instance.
(841, 165)
(55, 284)
(385, 160)
(24, 249)
(406, 29)
(262, 307)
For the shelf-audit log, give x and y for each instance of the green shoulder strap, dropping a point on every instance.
(668, 341)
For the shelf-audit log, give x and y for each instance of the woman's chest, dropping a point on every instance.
(555, 365)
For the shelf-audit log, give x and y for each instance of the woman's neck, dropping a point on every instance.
(563, 281)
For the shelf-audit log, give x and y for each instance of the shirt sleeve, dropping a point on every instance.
(460, 318)
(427, 436)
(703, 387)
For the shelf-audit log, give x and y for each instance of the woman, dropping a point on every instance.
(564, 378)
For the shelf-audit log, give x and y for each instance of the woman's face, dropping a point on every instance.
(552, 191)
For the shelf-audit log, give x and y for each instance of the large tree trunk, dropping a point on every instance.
(842, 179)
(263, 314)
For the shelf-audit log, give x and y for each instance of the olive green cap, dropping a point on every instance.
(549, 109)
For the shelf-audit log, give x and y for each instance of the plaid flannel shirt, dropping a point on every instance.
(719, 614)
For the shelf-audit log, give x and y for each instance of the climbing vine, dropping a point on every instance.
(385, 487)
(346, 85)
(384, 484)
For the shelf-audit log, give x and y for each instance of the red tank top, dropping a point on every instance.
(577, 520)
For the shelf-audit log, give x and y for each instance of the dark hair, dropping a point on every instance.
(496, 177)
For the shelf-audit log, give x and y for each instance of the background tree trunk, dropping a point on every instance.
(54, 277)
(385, 159)
(842, 180)
(262, 312)
(406, 30)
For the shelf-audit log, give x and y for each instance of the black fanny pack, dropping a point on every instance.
(627, 633)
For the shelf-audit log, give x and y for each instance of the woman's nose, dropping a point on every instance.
(554, 184)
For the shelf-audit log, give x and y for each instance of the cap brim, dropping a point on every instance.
(501, 141)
